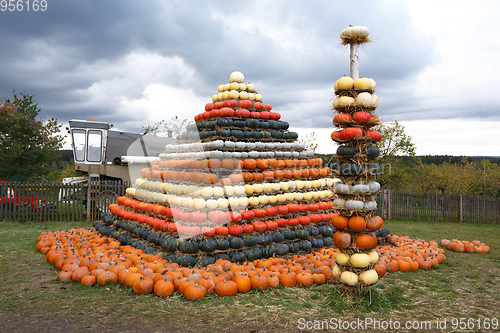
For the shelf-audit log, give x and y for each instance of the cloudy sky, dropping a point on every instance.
(134, 63)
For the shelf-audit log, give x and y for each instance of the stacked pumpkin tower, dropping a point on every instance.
(237, 185)
(354, 107)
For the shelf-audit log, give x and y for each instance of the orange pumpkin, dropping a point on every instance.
(195, 292)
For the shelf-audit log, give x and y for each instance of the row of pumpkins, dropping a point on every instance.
(354, 104)
(221, 195)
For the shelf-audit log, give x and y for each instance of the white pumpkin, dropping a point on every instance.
(354, 204)
(349, 278)
(199, 204)
(207, 191)
(253, 201)
(211, 204)
(276, 186)
(229, 190)
(374, 101)
(374, 186)
(345, 82)
(307, 195)
(339, 203)
(234, 202)
(244, 201)
(218, 191)
(342, 258)
(360, 260)
(239, 189)
(258, 188)
(373, 257)
(233, 94)
(236, 76)
(263, 199)
(360, 189)
(284, 186)
(267, 187)
(336, 271)
(364, 99)
(370, 205)
(249, 189)
(345, 101)
(281, 197)
(341, 188)
(363, 83)
(369, 277)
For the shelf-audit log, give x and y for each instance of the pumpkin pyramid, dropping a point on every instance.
(354, 106)
(237, 185)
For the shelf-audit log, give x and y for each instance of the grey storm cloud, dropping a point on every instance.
(60, 54)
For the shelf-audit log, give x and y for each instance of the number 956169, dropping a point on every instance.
(23, 5)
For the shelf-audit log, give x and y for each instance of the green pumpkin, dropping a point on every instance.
(250, 241)
(282, 249)
(302, 234)
(205, 261)
(236, 242)
(238, 257)
(346, 151)
(257, 252)
(252, 123)
(222, 244)
(249, 254)
(327, 241)
(208, 245)
(189, 247)
(306, 246)
(289, 234)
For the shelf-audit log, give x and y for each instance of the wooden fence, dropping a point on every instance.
(68, 202)
(57, 202)
(438, 207)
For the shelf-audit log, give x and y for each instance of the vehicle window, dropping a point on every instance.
(94, 144)
(79, 145)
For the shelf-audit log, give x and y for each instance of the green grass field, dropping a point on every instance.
(465, 286)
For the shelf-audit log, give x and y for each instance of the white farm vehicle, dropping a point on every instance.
(107, 158)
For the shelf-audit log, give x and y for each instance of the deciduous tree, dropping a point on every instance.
(27, 146)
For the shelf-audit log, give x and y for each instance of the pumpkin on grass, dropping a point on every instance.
(88, 280)
(106, 277)
(163, 288)
(143, 285)
(195, 292)
(226, 288)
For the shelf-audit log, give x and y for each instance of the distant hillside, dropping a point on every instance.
(440, 159)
